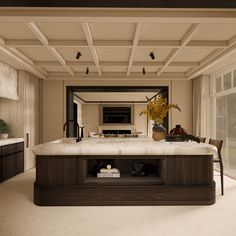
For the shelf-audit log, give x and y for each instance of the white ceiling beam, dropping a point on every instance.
(116, 64)
(88, 36)
(27, 59)
(28, 66)
(118, 15)
(134, 47)
(118, 43)
(216, 59)
(183, 42)
(116, 76)
(213, 58)
(40, 35)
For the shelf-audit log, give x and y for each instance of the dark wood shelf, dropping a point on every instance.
(125, 179)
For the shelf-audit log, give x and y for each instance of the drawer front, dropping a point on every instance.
(20, 147)
(9, 149)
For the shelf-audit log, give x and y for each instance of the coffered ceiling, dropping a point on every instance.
(116, 43)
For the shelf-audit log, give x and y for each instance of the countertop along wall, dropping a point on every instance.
(54, 102)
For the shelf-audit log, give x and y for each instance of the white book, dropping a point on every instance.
(113, 170)
(108, 175)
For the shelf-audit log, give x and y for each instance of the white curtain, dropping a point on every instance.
(198, 106)
(8, 82)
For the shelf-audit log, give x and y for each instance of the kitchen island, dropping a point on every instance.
(181, 173)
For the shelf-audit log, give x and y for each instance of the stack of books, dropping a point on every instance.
(108, 173)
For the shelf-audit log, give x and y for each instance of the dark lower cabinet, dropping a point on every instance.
(11, 161)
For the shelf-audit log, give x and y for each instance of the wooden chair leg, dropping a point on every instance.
(222, 178)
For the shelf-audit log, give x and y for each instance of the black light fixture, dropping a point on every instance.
(78, 55)
(152, 55)
(144, 72)
(87, 71)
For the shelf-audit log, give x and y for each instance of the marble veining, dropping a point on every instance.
(122, 146)
(8, 141)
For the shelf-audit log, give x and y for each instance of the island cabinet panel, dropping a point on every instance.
(188, 170)
(175, 180)
(12, 160)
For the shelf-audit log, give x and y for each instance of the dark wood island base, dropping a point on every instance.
(177, 180)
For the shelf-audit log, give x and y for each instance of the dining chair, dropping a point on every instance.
(218, 144)
(202, 140)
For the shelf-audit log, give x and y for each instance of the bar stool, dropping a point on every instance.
(218, 144)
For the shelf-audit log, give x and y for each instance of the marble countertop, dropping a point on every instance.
(122, 146)
(10, 141)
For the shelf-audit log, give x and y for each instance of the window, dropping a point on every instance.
(226, 130)
(234, 78)
(218, 84)
(227, 81)
(224, 104)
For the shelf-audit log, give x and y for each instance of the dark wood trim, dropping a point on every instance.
(70, 90)
(122, 3)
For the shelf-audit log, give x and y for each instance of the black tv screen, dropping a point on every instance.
(116, 115)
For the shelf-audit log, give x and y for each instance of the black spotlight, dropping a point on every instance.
(87, 71)
(78, 55)
(144, 72)
(152, 55)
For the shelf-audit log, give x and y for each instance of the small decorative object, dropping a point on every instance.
(157, 110)
(4, 129)
(178, 130)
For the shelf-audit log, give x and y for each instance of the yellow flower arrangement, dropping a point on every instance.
(157, 108)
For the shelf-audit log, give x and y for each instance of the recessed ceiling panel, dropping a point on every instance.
(215, 32)
(69, 54)
(112, 31)
(62, 30)
(142, 54)
(15, 31)
(84, 68)
(148, 69)
(114, 69)
(177, 69)
(113, 54)
(193, 54)
(163, 31)
(37, 53)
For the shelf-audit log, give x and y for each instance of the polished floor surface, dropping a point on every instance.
(20, 217)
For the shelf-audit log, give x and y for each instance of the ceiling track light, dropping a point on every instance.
(87, 71)
(144, 71)
(78, 55)
(152, 55)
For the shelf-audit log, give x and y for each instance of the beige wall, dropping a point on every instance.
(182, 95)
(52, 110)
(54, 96)
(23, 115)
(91, 120)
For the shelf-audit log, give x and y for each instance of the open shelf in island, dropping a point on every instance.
(125, 179)
(177, 180)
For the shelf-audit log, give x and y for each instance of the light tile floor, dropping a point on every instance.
(20, 217)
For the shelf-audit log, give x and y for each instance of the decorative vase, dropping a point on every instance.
(4, 135)
(158, 132)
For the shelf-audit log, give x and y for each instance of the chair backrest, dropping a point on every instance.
(202, 140)
(218, 144)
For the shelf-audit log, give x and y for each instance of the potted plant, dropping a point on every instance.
(4, 129)
(157, 109)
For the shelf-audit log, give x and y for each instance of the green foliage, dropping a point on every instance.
(4, 128)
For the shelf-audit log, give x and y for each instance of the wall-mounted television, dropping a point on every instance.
(116, 114)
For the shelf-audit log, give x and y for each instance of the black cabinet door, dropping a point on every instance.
(19, 162)
(8, 166)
